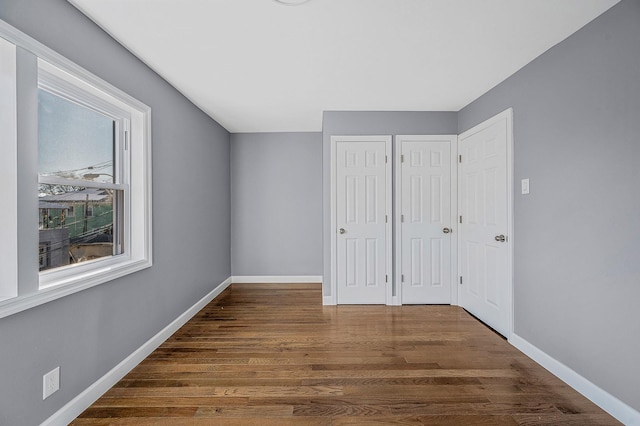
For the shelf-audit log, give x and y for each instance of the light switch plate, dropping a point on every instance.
(525, 186)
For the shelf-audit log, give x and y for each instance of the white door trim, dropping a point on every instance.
(454, 220)
(396, 298)
(397, 287)
(508, 115)
(332, 299)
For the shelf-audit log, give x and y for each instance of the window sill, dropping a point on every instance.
(64, 288)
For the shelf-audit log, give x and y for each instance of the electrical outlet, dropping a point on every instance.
(525, 186)
(50, 382)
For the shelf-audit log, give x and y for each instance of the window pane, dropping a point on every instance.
(74, 141)
(77, 224)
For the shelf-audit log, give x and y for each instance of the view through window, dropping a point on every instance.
(80, 193)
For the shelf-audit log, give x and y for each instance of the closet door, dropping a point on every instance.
(486, 251)
(424, 247)
(362, 214)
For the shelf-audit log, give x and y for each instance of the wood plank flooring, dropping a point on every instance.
(264, 354)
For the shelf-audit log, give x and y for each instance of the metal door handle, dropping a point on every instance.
(446, 230)
(341, 230)
(501, 238)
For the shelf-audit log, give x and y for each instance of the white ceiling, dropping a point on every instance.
(261, 66)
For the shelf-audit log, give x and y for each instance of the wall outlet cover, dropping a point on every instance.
(50, 382)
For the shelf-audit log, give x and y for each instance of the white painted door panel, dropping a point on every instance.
(425, 192)
(484, 260)
(361, 203)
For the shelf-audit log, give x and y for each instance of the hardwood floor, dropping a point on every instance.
(273, 355)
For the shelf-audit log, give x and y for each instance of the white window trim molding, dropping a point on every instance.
(8, 172)
(139, 225)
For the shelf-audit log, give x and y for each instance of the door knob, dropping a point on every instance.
(446, 230)
(501, 238)
(342, 230)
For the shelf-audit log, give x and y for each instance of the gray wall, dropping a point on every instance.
(276, 203)
(341, 123)
(577, 235)
(577, 274)
(89, 332)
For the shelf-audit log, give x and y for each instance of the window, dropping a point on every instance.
(88, 147)
(89, 212)
(82, 165)
(88, 143)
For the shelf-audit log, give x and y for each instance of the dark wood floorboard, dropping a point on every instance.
(265, 354)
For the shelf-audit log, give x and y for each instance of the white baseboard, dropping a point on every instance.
(328, 301)
(277, 279)
(77, 405)
(612, 405)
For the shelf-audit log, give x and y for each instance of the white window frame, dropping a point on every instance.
(59, 282)
(58, 83)
(8, 172)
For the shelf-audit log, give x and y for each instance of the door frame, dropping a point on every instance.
(453, 139)
(388, 208)
(508, 115)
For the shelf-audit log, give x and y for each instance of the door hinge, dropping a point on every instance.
(461, 280)
(401, 218)
(402, 278)
(386, 160)
(386, 278)
(402, 158)
(460, 219)
(386, 219)
(459, 158)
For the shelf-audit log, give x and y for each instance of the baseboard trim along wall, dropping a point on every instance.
(84, 400)
(612, 405)
(277, 279)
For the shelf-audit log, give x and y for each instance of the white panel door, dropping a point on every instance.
(425, 228)
(362, 204)
(485, 290)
